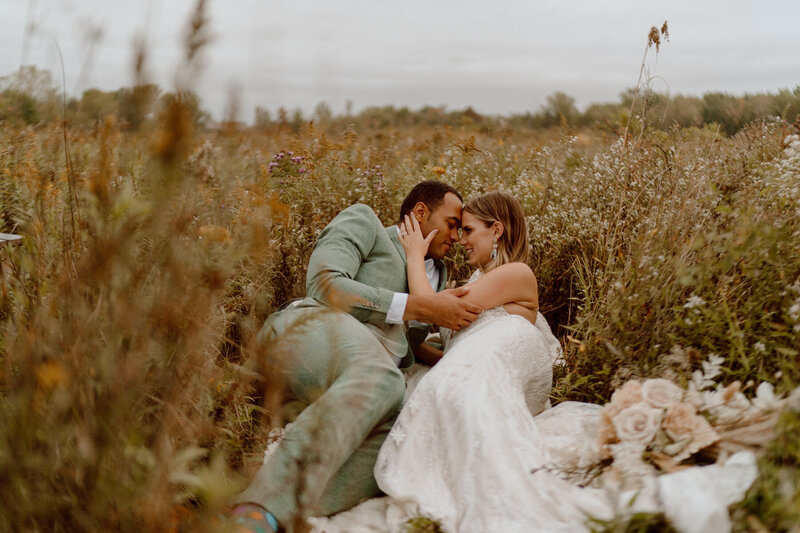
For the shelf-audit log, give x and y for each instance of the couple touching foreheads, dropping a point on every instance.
(463, 446)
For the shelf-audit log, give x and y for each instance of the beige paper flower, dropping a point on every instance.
(661, 393)
(679, 420)
(637, 423)
(627, 395)
(682, 423)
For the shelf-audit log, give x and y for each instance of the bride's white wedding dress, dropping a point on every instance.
(478, 448)
(467, 442)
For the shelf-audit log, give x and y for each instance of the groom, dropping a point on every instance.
(343, 347)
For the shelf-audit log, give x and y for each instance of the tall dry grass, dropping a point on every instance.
(133, 395)
(132, 388)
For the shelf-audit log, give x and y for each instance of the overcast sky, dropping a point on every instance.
(497, 56)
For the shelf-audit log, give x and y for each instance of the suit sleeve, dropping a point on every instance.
(341, 248)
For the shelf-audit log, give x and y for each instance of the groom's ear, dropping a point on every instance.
(420, 211)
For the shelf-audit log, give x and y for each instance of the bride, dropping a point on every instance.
(477, 446)
(466, 444)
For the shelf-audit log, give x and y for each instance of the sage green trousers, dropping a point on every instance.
(350, 392)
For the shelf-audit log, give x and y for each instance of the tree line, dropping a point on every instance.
(29, 97)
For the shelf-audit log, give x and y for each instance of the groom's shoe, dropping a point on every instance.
(252, 518)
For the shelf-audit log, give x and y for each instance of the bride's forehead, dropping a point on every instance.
(468, 219)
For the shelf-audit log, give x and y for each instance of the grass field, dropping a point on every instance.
(133, 396)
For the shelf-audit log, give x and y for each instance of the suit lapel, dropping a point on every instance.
(391, 231)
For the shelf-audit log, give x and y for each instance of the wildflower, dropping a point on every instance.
(766, 399)
(694, 301)
(760, 347)
(794, 310)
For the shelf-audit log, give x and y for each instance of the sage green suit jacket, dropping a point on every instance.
(357, 265)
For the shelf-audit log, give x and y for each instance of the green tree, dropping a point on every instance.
(297, 120)
(723, 109)
(136, 104)
(560, 106)
(323, 114)
(685, 111)
(191, 105)
(32, 81)
(16, 106)
(601, 114)
(263, 118)
(96, 104)
(29, 95)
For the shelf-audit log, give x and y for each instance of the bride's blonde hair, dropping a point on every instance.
(512, 246)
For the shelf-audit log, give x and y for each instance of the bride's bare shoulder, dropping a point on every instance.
(519, 272)
(512, 282)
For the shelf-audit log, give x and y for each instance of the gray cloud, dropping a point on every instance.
(497, 57)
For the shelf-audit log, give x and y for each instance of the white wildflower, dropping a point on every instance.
(765, 399)
(705, 379)
(760, 347)
(794, 310)
(694, 301)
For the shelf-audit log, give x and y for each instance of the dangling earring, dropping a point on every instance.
(493, 255)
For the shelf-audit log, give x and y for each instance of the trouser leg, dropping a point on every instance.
(353, 391)
(355, 482)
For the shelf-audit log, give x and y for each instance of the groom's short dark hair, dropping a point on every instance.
(431, 193)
